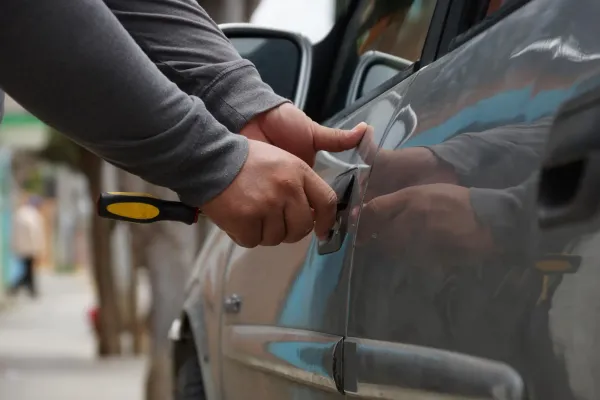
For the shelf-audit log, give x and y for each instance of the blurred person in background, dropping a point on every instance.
(28, 242)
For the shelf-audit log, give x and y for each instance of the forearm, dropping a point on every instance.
(190, 49)
(74, 66)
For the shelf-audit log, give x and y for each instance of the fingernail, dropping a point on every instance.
(322, 237)
(360, 127)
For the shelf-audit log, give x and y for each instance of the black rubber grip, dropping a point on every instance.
(144, 209)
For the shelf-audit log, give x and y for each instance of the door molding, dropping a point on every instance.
(279, 351)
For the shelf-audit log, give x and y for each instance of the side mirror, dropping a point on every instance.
(373, 69)
(283, 59)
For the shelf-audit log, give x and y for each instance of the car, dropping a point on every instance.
(464, 262)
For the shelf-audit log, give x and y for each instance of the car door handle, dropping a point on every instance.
(569, 187)
(405, 371)
(343, 186)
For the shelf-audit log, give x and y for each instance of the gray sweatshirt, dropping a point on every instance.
(74, 66)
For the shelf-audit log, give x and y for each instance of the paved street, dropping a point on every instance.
(47, 350)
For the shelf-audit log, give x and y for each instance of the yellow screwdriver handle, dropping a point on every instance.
(144, 208)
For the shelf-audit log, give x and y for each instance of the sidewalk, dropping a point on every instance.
(47, 350)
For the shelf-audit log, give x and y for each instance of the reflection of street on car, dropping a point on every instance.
(455, 202)
(458, 218)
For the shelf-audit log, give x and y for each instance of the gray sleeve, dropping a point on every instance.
(75, 67)
(190, 49)
(498, 158)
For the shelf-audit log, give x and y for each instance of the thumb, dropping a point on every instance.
(368, 147)
(336, 140)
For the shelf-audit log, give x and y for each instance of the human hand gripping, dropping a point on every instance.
(272, 200)
(277, 197)
(290, 129)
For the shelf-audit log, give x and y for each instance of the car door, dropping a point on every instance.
(456, 291)
(281, 337)
(290, 315)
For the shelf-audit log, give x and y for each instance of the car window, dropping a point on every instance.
(486, 14)
(494, 6)
(398, 28)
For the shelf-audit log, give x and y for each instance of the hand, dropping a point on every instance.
(288, 128)
(427, 224)
(270, 200)
(394, 170)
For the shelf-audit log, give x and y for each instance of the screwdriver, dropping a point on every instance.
(144, 208)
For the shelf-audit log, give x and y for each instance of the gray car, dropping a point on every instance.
(464, 263)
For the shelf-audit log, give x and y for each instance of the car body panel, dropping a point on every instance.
(292, 288)
(498, 94)
(491, 320)
(204, 304)
(301, 356)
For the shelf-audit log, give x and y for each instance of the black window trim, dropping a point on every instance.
(435, 33)
(428, 55)
(455, 36)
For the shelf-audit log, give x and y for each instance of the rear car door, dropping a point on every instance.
(281, 335)
(456, 291)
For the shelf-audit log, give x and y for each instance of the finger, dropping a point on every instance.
(323, 200)
(335, 140)
(299, 219)
(368, 147)
(378, 212)
(247, 234)
(274, 228)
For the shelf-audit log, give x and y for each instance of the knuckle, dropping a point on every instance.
(246, 241)
(247, 212)
(272, 241)
(338, 134)
(271, 202)
(331, 199)
(297, 235)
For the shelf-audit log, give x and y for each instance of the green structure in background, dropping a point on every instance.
(9, 269)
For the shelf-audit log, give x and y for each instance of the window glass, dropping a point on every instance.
(494, 6)
(375, 76)
(395, 27)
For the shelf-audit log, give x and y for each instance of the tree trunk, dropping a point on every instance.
(136, 327)
(109, 315)
(167, 249)
(135, 324)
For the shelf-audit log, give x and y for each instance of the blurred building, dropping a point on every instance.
(19, 130)
(7, 260)
(65, 193)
